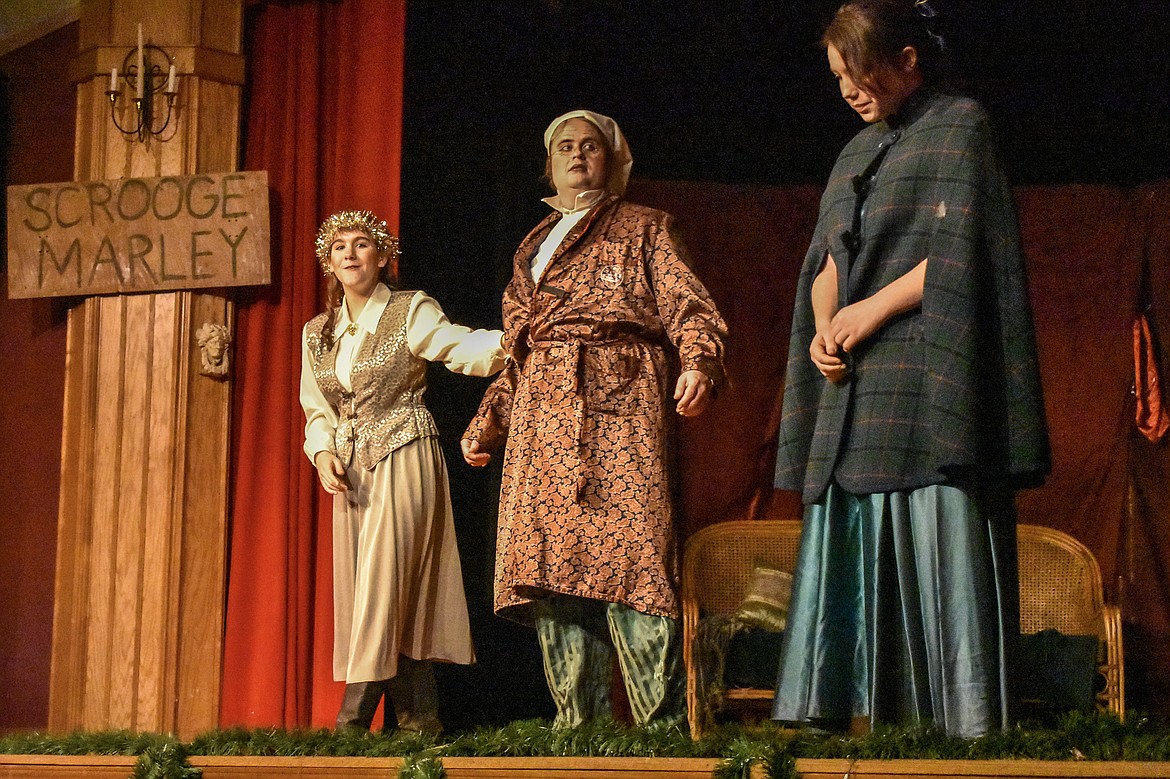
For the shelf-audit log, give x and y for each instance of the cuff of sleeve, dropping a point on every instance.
(710, 366)
(486, 431)
(313, 455)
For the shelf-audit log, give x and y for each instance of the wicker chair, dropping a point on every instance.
(716, 569)
(1060, 588)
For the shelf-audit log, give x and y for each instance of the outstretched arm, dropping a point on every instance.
(431, 336)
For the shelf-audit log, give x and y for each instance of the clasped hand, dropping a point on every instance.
(849, 327)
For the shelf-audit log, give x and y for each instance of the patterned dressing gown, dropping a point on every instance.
(585, 405)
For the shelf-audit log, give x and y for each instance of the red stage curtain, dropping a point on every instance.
(324, 119)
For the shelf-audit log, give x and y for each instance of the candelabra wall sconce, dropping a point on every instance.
(144, 76)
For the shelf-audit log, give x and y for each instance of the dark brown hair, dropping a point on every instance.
(871, 34)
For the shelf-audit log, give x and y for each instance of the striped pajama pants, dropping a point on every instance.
(578, 638)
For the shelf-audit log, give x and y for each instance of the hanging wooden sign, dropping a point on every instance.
(138, 235)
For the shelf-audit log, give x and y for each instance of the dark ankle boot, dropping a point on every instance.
(359, 704)
(389, 714)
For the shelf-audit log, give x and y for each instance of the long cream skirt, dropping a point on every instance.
(397, 585)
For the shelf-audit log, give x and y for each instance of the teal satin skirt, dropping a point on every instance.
(905, 609)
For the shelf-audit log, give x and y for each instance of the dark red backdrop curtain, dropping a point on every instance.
(324, 118)
(1144, 554)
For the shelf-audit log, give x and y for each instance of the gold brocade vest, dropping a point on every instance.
(385, 410)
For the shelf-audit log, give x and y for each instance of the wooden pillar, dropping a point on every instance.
(141, 558)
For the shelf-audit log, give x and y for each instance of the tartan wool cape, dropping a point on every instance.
(948, 392)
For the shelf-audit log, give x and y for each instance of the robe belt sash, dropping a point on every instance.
(563, 362)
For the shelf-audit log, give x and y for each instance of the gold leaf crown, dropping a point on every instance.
(359, 221)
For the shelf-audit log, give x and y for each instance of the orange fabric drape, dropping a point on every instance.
(1151, 416)
(324, 118)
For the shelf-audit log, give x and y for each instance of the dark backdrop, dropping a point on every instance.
(734, 93)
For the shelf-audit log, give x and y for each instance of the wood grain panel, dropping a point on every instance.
(55, 767)
(65, 767)
(106, 416)
(140, 584)
(129, 393)
(201, 589)
(217, 145)
(162, 447)
(71, 583)
(579, 768)
(221, 26)
(977, 769)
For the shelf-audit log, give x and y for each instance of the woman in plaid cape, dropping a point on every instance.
(912, 405)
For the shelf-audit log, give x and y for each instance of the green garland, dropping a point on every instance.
(1076, 736)
(159, 756)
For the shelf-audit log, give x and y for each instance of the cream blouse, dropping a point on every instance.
(429, 336)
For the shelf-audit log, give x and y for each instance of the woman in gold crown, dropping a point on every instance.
(397, 587)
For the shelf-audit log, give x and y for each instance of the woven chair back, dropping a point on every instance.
(1060, 583)
(720, 558)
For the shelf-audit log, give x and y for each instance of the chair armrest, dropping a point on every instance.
(1114, 667)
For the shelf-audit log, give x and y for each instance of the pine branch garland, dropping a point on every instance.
(1077, 736)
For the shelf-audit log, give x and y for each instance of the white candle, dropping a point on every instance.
(171, 80)
(141, 66)
(113, 79)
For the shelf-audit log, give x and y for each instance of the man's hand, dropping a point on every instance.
(472, 455)
(693, 391)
